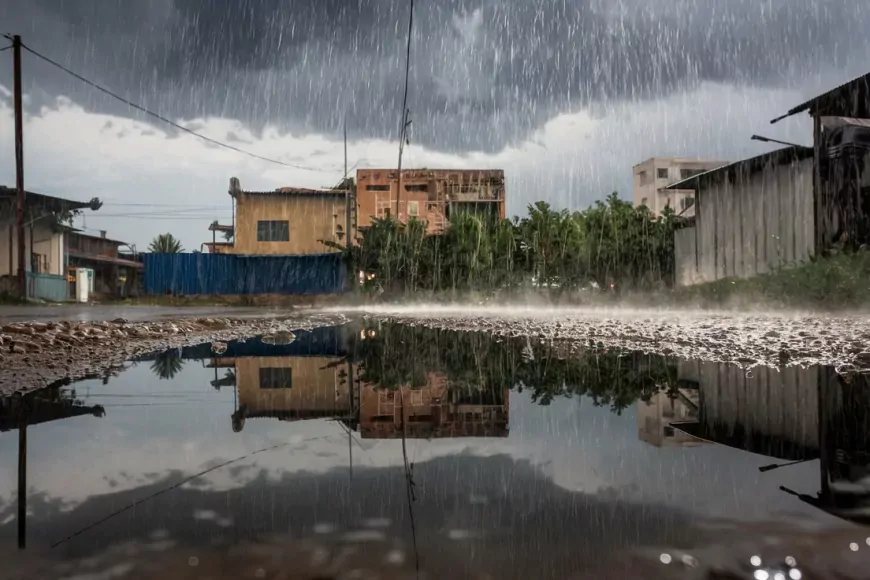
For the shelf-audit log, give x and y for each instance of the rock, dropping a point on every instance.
(120, 321)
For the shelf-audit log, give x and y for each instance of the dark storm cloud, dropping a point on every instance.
(485, 72)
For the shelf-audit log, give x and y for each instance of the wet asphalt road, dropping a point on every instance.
(99, 313)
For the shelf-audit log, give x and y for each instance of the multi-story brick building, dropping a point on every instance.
(430, 195)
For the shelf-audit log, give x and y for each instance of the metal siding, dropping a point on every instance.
(226, 274)
(684, 256)
(47, 287)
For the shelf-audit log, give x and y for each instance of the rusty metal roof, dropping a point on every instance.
(47, 201)
(853, 95)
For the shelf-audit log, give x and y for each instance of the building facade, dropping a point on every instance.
(286, 221)
(430, 195)
(45, 239)
(114, 275)
(653, 176)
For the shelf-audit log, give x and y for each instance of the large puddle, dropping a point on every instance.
(387, 451)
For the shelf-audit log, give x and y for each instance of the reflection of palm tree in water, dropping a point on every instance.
(167, 364)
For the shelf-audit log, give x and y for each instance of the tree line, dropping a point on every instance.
(393, 355)
(611, 242)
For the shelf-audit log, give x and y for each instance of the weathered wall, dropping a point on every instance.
(753, 223)
(685, 255)
(781, 404)
(312, 218)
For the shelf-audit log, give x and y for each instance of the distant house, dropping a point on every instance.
(114, 275)
(653, 176)
(46, 239)
(286, 221)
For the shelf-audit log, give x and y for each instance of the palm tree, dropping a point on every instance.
(167, 364)
(165, 244)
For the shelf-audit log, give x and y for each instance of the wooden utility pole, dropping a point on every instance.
(19, 163)
(349, 198)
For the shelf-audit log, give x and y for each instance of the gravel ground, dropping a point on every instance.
(750, 340)
(36, 354)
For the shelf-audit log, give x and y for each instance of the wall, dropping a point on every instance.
(750, 224)
(779, 404)
(94, 245)
(432, 189)
(227, 274)
(685, 266)
(45, 242)
(312, 217)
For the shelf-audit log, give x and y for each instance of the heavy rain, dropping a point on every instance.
(480, 289)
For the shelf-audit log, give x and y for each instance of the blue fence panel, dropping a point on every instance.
(47, 287)
(227, 274)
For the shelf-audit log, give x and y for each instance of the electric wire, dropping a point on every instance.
(150, 113)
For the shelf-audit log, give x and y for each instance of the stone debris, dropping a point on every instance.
(38, 354)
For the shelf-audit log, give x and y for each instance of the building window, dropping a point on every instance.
(273, 231)
(423, 187)
(687, 202)
(276, 378)
(377, 188)
(687, 173)
(413, 208)
(644, 178)
(662, 172)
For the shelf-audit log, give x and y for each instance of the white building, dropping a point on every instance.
(653, 175)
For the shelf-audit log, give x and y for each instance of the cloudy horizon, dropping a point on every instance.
(564, 95)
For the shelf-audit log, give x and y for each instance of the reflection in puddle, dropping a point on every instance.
(378, 449)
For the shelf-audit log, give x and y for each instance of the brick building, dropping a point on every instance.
(431, 195)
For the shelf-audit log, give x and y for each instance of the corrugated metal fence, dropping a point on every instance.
(47, 287)
(227, 274)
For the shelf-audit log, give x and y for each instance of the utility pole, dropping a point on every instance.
(403, 127)
(348, 195)
(19, 163)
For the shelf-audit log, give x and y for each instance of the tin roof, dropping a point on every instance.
(752, 164)
(851, 99)
(49, 202)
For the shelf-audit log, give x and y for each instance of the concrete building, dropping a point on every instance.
(657, 417)
(46, 243)
(751, 217)
(286, 221)
(654, 175)
(432, 195)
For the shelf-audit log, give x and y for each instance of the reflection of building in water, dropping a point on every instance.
(433, 411)
(656, 419)
(793, 415)
(288, 387)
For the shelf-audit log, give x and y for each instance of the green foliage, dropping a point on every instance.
(393, 355)
(165, 244)
(612, 241)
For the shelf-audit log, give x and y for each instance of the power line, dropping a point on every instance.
(404, 117)
(5, 48)
(133, 105)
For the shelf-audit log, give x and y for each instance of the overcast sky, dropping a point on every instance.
(565, 95)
